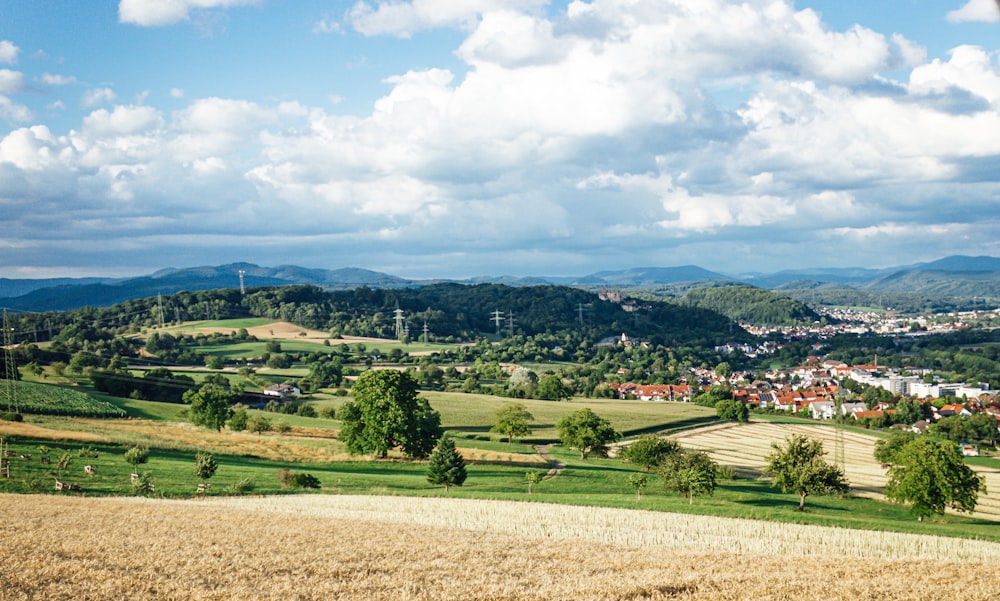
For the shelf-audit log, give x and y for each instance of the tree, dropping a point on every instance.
(552, 388)
(723, 370)
(239, 419)
(930, 475)
(584, 430)
(62, 463)
(447, 467)
(909, 411)
(533, 477)
(209, 405)
(638, 482)
(204, 466)
(691, 473)
(258, 424)
(649, 451)
(886, 449)
(386, 413)
(136, 456)
(512, 419)
(733, 411)
(798, 467)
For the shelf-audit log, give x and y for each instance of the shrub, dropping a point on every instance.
(10, 416)
(258, 424)
(143, 485)
(306, 481)
(242, 487)
(239, 420)
(282, 427)
(307, 410)
(328, 412)
(286, 478)
(88, 453)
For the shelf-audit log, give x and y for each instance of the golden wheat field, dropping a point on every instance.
(746, 447)
(382, 548)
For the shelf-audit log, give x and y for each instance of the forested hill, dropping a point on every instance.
(749, 304)
(450, 311)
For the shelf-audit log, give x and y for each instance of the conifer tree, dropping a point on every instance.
(447, 466)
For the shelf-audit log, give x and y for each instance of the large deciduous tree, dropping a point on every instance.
(798, 466)
(585, 430)
(886, 449)
(447, 466)
(691, 473)
(931, 475)
(512, 419)
(210, 405)
(552, 388)
(649, 451)
(732, 410)
(386, 413)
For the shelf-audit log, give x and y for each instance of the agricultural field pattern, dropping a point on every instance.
(745, 447)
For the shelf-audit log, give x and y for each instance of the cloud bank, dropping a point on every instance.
(612, 133)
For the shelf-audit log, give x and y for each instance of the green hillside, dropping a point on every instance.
(751, 305)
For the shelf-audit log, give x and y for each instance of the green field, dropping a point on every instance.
(236, 324)
(473, 413)
(594, 482)
(46, 399)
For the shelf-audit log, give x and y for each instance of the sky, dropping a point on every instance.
(436, 138)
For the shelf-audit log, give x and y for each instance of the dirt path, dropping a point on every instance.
(555, 466)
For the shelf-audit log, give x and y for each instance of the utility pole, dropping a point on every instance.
(497, 318)
(427, 332)
(400, 330)
(10, 365)
(159, 303)
(510, 322)
(243, 288)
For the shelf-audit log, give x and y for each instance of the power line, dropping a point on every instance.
(497, 318)
(10, 367)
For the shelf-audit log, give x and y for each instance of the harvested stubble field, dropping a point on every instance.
(746, 447)
(328, 547)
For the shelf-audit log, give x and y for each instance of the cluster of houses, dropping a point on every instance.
(815, 390)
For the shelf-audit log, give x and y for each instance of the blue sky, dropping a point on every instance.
(435, 138)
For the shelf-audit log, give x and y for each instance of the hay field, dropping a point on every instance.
(746, 447)
(327, 547)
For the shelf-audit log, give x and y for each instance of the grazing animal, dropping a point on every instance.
(89, 470)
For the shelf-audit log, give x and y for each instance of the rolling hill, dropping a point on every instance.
(950, 279)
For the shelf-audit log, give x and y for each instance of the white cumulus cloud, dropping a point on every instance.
(984, 11)
(403, 19)
(8, 52)
(57, 80)
(11, 82)
(98, 96)
(168, 12)
(14, 112)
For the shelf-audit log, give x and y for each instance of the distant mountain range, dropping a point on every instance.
(950, 276)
